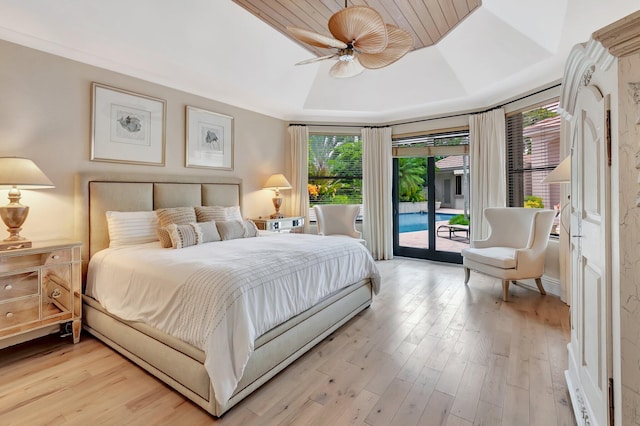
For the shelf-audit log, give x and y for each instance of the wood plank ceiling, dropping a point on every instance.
(427, 21)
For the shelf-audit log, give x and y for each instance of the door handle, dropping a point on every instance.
(576, 236)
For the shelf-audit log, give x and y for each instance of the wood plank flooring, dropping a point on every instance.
(429, 351)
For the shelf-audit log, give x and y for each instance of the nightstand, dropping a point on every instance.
(40, 289)
(285, 224)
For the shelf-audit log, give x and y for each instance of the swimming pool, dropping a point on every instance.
(410, 222)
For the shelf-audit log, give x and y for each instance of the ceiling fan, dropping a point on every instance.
(360, 39)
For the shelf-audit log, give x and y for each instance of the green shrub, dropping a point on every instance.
(459, 220)
(533, 202)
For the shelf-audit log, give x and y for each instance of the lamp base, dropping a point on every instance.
(277, 202)
(15, 244)
(13, 215)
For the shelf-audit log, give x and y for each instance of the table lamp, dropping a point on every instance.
(561, 174)
(18, 172)
(277, 182)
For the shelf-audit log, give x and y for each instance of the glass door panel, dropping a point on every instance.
(430, 200)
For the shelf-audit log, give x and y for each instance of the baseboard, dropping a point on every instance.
(551, 285)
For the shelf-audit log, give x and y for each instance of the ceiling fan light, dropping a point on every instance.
(346, 55)
(346, 69)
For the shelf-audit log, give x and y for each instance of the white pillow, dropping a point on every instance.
(132, 227)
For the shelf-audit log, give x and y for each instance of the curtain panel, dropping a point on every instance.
(377, 223)
(487, 146)
(299, 150)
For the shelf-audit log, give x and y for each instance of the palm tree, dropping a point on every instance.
(411, 178)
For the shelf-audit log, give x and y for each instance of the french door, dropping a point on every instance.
(425, 198)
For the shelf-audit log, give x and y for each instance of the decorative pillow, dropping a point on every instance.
(178, 215)
(208, 230)
(217, 213)
(231, 229)
(165, 238)
(184, 235)
(250, 228)
(131, 227)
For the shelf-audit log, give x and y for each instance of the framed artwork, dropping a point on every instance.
(209, 139)
(127, 127)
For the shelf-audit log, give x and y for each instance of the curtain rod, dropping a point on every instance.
(423, 120)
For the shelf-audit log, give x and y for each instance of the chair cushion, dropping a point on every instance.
(500, 257)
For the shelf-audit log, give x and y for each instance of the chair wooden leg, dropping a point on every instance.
(505, 290)
(467, 273)
(540, 287)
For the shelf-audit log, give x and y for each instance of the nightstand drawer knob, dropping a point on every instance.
(9, 314)
(56, 293)
(8, 287)
(55, 257)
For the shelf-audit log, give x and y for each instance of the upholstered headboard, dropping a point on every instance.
(97, 194)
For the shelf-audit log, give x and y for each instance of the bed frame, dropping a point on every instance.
(173, 361)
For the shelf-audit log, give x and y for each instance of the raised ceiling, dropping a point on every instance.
(426, 20)
(219, 50)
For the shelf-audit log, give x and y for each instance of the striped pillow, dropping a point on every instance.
(184, 235)
(179, 215)
(217, 213)
(131, 227)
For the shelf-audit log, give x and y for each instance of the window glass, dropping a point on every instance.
(533, 151)
(335, 170)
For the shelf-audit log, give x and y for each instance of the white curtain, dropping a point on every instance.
(376, 191)
(487, 142)
(299, 154)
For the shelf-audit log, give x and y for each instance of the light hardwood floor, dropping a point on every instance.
(429, 351)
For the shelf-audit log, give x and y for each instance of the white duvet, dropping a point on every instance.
(221, 296)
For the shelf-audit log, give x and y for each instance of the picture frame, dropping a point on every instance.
(209, 139)
(127, 127)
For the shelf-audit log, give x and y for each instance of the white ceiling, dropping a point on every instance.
(216, 49)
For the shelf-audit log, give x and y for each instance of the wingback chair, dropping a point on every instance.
(515, 248)
(338, 220)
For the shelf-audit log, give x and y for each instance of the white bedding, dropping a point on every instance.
(221, 296)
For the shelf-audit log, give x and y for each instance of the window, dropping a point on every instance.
(458, 185)
(533, 150)
(335, 170)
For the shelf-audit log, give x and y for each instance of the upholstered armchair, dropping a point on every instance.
(338, 220)
(515, 248)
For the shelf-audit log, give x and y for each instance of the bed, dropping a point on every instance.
(184, 365)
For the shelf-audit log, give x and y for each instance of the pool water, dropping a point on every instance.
(410, 222)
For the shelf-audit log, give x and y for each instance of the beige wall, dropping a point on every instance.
(45, 115)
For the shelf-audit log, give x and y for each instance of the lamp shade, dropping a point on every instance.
(277, 182)
(561, 174)
(22, 173)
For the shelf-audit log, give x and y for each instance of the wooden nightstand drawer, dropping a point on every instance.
(19, 312)
(14, 262)
(18, 285)
(58, 256)
(56, 285)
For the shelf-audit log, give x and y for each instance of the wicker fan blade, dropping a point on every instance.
(362, 26)
(400, 42)
(346, 69)
(315, 39)
(312, 60)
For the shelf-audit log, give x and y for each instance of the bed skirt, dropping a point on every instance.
(181, 365)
